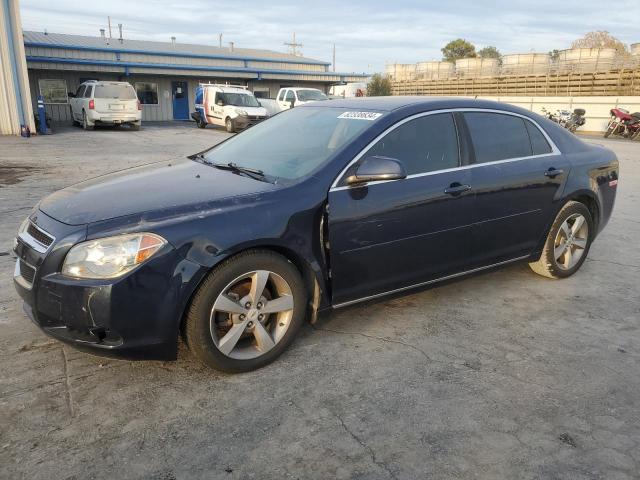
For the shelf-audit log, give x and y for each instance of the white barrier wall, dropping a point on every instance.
(597, 108)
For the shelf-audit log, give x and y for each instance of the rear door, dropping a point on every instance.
(115, 98)
(518, 176)
(391, 235)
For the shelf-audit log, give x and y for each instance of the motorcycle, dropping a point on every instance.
(624, 124)
(567, 119)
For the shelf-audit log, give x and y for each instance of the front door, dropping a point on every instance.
(392, 235)
(517, 178)
(180, 95)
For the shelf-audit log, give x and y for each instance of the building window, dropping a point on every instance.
(147, 93)
(53, 91)
(261, 92)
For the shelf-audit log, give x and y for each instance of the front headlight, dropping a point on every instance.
(23, 226)
(111, 257)
(240, 111)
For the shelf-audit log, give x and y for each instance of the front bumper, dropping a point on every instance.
(244, 121)
(135, 316)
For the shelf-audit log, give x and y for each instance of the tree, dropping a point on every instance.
(599, 39)
(456, 49)
(554, 54)
(490, 52)
(379, 86)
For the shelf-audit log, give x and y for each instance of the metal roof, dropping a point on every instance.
(62, 40)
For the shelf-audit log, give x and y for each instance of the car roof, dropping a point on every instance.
(105, 82)
(388, 104)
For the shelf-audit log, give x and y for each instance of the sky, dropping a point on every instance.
(367, 34)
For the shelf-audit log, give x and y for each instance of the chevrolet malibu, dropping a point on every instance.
(320, 207)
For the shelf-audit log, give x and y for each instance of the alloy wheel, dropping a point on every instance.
(571, 241)
(251, 314)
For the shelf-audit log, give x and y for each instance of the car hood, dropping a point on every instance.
(157, 186)
(253, 111)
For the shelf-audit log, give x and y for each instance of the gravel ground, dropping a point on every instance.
(501, 375)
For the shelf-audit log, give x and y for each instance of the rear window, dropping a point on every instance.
(123, 92)
(497, 136)
(539, 144)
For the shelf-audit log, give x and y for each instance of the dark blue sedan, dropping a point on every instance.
(322, 206)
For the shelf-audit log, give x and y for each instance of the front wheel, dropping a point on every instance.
(610, 129)
(246, 312)
(229, 125)
(568, 242)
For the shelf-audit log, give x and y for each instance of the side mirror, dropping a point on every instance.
(376, 169)
(220, 103)
(71, 95)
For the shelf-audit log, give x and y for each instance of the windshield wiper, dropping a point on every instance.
(251, 172)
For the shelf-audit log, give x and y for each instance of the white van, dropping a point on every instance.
(106, 103)
(289, 97)
(231, 106)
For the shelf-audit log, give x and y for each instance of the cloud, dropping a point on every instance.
(367, 34)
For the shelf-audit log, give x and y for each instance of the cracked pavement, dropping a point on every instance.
(500, 375)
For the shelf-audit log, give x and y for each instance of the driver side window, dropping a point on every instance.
(424, 144)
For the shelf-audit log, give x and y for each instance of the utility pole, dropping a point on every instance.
(220, 40)
(334, 57)
(109, 21)
(293, 45)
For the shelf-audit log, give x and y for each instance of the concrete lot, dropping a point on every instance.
(502, 375)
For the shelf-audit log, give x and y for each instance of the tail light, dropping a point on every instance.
(139, 105)
(92, 105)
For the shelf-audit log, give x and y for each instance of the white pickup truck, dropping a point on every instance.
(290, 96)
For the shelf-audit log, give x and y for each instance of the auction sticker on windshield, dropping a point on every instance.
(360, 115)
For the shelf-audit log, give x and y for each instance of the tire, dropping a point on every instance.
(228, 124)
(134, 127)
(557, 260)
(208, 324)
(201, 124)
(610, 128)
(85, 123)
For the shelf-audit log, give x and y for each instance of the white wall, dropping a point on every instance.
(15, 104)
(597, 107)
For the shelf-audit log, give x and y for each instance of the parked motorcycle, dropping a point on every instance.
(567, 119)
(624, 124)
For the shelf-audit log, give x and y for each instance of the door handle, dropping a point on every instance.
(456, 189)
(553, 172)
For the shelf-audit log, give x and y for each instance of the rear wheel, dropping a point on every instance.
(135, 127)
(246, 312)
(228, 125)
(568, 242)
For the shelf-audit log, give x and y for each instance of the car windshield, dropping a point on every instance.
(292, 144)
(123, 92)
(309, 95)
(240, 99)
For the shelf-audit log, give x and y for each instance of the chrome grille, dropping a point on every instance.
(39, 235)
